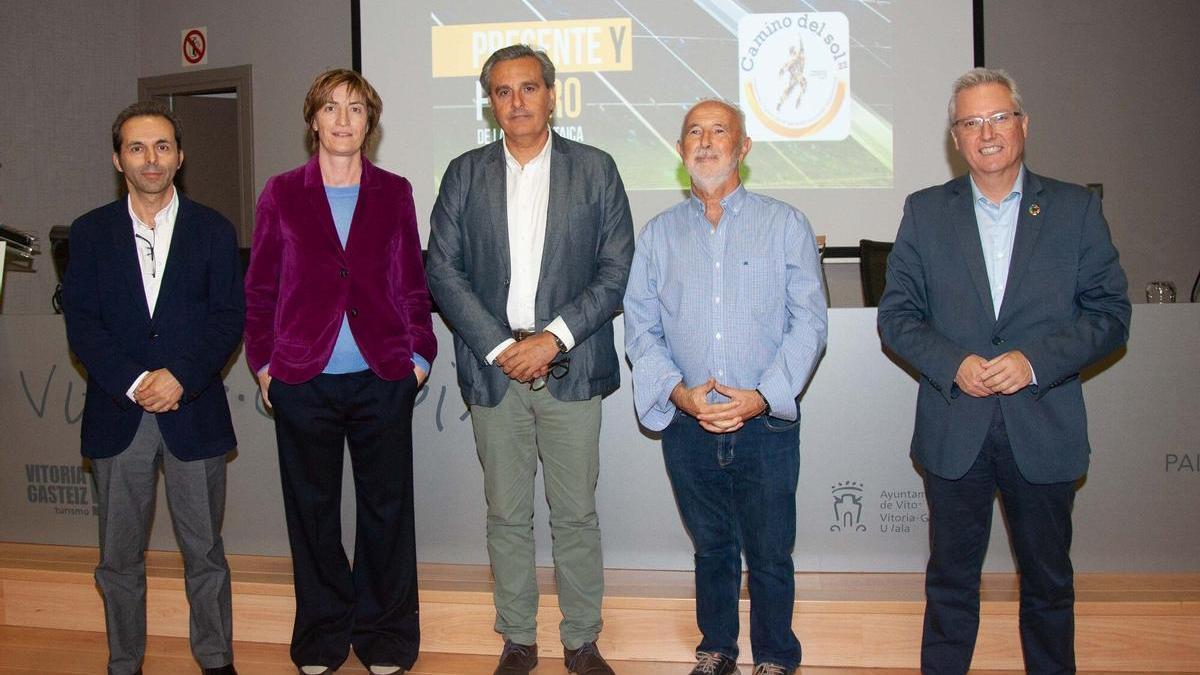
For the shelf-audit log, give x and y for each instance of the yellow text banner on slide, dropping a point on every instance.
(577, 46)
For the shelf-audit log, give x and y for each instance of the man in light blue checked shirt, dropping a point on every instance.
(725, 319)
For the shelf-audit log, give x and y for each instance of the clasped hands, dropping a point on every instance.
(530, 358)
(158, 392)
(718, 418)
(1006, 374)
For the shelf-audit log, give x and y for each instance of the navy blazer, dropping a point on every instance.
(585, 265)
(1065, 306)
(196, 326)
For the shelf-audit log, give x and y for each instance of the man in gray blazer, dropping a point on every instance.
(530, 246)
(1001, 287)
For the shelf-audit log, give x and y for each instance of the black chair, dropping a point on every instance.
(872, 267)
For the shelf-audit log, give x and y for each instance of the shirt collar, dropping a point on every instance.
(731, 202)
(533, 163)
(1014, 193)
(164, 217)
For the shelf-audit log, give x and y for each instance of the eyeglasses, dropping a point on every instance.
(999, 121)
(558, 370)
(153, 271)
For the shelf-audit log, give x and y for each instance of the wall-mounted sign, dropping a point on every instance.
(194, 46)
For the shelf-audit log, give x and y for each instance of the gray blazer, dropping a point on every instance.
(585, 265)
(1065, 307)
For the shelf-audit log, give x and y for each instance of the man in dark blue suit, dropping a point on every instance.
(154, 308)
(1001, 287)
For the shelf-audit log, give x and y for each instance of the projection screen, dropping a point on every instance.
(845, 99)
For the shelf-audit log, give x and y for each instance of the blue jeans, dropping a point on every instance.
(737, 492)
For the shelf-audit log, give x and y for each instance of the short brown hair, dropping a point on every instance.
(145, 109)
(322, 88)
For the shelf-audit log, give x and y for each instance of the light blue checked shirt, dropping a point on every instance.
(997, 232)
(742, 303)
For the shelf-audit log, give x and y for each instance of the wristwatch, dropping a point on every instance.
(562, 348)
(766, 404)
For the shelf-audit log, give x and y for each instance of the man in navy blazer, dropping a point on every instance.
(530, 245)
(154, 309)
(1001, 287)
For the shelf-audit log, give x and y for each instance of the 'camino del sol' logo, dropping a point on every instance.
(794, 76)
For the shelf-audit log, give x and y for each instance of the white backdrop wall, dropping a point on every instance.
(1136, 510)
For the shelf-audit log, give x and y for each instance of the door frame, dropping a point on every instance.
(239, 79)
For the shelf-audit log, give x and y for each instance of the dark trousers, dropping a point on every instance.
(1039, 522)
(371, 606)
(737, 492)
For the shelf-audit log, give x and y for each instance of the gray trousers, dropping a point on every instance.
(126, 490)
(565, 435)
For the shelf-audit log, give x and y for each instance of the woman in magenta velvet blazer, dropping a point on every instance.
(338, 331)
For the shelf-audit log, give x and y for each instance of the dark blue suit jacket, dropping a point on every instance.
(1065, 307)
(196, 326)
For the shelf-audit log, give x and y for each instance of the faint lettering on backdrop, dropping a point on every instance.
(37, 393)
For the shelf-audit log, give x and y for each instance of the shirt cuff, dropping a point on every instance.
(421, 362)
(491, 356)
(559, 328)
(136, 383)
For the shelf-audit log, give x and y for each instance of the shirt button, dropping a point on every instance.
(353, 312)
(718, 265)
(344, 272)
(717, 299)
(718, 336)
(720, 372)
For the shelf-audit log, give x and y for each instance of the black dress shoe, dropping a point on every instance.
(516, 659)
(586, 661)
(223, 670)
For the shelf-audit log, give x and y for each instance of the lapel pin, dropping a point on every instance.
(1034, 209)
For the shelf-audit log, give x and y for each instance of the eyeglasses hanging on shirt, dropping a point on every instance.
(149, 267)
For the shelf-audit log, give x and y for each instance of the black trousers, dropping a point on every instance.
(371, 605)
(1039, 523)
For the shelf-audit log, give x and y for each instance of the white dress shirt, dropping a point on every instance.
(528, 194)
(153, 245)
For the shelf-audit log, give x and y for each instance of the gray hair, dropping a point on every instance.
(516, 52)
(980, 76)
(741, 116)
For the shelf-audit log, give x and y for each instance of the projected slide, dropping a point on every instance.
(815, 80)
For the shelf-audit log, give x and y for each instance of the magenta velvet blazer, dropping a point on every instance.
(301, 281)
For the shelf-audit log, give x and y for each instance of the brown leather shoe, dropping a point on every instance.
(586, 661)
(516, 659)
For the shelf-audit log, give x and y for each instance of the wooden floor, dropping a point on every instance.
(849, 623)
(40, 651)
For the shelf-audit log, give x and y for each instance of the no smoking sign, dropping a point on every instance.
(194, 46)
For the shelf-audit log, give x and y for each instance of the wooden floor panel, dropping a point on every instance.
(1125, 622)
(30, 651)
